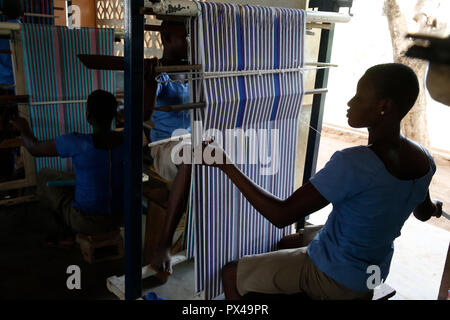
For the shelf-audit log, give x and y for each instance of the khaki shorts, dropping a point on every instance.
(162, 158)
(290, 271)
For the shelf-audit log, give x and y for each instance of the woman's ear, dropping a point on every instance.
(386, 106)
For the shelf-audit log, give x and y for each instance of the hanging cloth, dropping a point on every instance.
(262, 112)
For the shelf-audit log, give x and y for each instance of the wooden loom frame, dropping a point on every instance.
(13, 30)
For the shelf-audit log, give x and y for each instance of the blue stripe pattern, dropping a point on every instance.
(229, 37)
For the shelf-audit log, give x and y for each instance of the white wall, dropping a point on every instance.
(360, 44)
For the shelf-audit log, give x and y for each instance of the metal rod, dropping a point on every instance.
(39, 15)
(215, 75)
(52, 102)
(316, 91)
(187, 8)
(321, 64)
(187, 67)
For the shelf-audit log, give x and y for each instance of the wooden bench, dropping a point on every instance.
(382, 292)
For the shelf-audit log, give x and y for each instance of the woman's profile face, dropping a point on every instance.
(362, 110)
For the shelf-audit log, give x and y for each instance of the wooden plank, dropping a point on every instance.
(18, 200)
(179, 107)
(16, 184)
(102, 62)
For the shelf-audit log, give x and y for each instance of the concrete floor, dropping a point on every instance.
(30, 271)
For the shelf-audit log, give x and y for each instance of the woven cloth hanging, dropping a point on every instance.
(228, 37)
(35, 6)
(54, 73)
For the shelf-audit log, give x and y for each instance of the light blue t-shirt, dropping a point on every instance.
(92, 174)
(370, 207)
(170, 93)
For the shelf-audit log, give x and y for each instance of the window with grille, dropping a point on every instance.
(110, 14)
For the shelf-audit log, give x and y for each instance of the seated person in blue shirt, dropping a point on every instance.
(95, 204)
(166, 125)
(373, 190)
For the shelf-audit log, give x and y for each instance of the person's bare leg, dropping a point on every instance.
(178, 197)
(229, 278)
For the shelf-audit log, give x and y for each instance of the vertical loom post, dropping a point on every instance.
(326, 43)
(134, 67)
(21, 89)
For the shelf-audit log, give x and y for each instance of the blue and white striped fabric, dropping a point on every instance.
(228, 38)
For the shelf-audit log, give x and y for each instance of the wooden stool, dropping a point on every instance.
(382, 292)
(101, 247)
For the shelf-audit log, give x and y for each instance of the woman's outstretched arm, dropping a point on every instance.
(279, 212)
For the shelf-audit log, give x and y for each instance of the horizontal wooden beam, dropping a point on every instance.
(171, 29)
(179, 107)
(101, 62)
